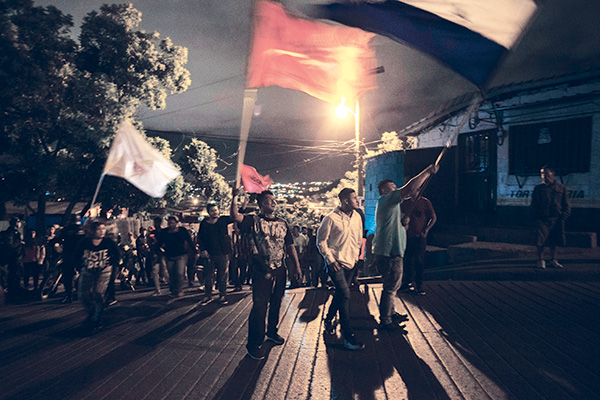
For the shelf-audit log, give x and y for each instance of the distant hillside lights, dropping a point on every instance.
(296, 189)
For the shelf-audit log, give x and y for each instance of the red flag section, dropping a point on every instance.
(328, 62)
(253, 181)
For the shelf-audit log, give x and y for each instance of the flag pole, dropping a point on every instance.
(473, 107)
(97, 190)
(249, 101)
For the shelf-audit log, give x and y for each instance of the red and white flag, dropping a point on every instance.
(326, 61)
(253, 181)
(132, 158)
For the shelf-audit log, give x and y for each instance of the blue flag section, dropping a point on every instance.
(468, 36)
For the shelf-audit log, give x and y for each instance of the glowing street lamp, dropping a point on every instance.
(342, 112)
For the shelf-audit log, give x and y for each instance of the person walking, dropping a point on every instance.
(70, 237)
(34, 255)
(215, 247)
(97, 256)
(157, 257)
(339, 238)
(176, 243)
(390, 240)
(270, 239)
(550, 208)
(422, 218)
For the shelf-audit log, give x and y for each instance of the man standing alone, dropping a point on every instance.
(422, 218)
(550, 208)
(390, 239)
(270, 239)
(339, 239)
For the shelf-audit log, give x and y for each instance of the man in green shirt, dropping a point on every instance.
(390, 239)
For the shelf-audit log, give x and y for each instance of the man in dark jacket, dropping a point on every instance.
(550, 208)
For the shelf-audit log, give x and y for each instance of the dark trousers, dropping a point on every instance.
(68, 272)
(238, 270)
(341, 298)
(31, 270)
(414, 261)
(220, 263)
(268, 288)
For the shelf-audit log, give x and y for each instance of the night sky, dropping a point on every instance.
(562, 39)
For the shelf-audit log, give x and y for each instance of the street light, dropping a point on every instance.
(342, 112)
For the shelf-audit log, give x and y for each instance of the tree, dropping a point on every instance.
(199, 166)
(63, 100)
(390, 141)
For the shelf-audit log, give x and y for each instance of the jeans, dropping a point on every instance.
(221, 264)
(341, 299)
(414, 261)
(92, 289)
(159, 268)
(391, 272)
(268, 288)
(176, 267)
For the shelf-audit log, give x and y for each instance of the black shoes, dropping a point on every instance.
(275, 338)
(399, 318)
(391, 327)
(255, 353)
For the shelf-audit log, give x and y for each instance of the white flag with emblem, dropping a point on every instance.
(131, 157)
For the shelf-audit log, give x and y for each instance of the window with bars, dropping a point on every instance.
(564, 145)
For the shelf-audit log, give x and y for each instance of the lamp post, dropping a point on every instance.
(341, 112)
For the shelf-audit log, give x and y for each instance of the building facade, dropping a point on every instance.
(498, 150)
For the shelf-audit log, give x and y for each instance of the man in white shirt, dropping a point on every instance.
(339, 239)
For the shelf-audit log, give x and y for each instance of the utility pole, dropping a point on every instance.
(358, 153)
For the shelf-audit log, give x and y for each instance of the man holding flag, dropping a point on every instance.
(390, 239)
(271, 238)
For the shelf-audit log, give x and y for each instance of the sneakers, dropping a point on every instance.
(399, 318)
(555, 264)
(223, 301)
(155, 293)
(352, 344)
(541, 264)
(206, 300)
(255, 353)
(419, 292)
(329, 326)
(275, 338)
(392, 327)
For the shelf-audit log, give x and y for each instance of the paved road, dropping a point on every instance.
(492, 339)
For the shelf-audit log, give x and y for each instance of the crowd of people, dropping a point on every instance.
(257, 249)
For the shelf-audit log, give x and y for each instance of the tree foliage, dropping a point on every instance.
(199, 166)
(390, 141)
(62, 100)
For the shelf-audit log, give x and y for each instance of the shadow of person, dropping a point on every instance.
(357, 374)
(420, 381)
(311, 303)
(242, 383)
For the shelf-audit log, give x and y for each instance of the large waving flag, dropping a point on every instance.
(470, 36)
(131, 157)
(253, 181)
(328, 62)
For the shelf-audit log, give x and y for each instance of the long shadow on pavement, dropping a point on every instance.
(77, 379)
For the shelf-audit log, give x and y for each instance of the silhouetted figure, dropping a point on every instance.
(550, 208)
